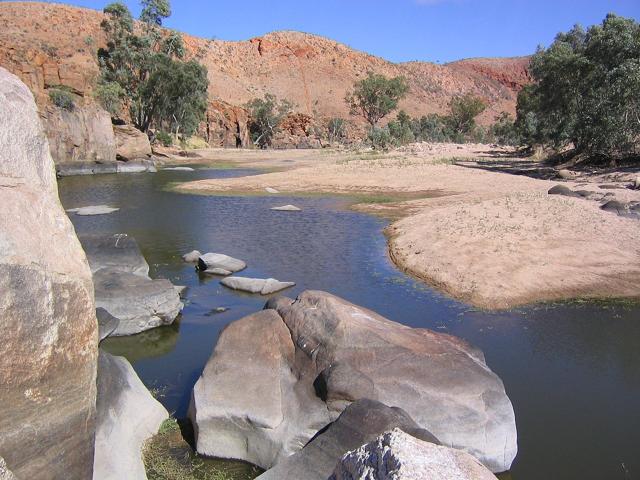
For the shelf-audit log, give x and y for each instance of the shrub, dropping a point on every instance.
(110, 96)
(380, 138)
(431, 128)
(401, 130)
(336, 128)
(376, 96)
(164, 138)
(504, 130)
(464, 110)
(266, 114)
(62, 98)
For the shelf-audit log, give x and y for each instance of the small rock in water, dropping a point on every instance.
(215, 261)
(256, 285)
(271, 190)
(192, 257)
(93, 210)
(217, 311)
(287, 208)
(218, 271)
(179, 169)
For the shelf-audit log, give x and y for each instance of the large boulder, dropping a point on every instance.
(131, 143)
(127, 416)
(119, 251)
(288, 354)
(83, 134)
(138, 302)
(48, 352)
(397, 455)
(361, 422)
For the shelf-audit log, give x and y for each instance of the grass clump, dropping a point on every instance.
(167, 456)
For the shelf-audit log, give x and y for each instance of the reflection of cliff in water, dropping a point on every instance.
(150, 344)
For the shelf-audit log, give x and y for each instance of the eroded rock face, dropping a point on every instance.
(287, 354)
(397, 455)
(131, 143)
(48, 353)
(84, 134)
(361, 422)
(127, 416)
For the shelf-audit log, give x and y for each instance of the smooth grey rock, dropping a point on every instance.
(5, 473)
(564, 191)
(268, 415)
(137, 166)
(48, 352)
(340, 384)
(119, 251)
(107, 323)
(179, 169)
(138, 302)
(86, 168)
(127, 416)
(192, 257)
(256, 285)
(210, 261)
(616, 206)
(93, 210)
(271, 190)
(287, 208)
(441, 381)
(396, 455)
(361, 422)
(218, 271)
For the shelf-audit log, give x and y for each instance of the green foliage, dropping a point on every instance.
(586, 91)
(337, 129)
(110, 95)
(164, 138)
(376, 96)
(504, 130)
(266, 114)
(380, 138)
(401, 129)
(62, 98)
(159, 88)
(431, 128)
(464, 110)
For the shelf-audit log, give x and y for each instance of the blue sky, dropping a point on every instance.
(398, 30)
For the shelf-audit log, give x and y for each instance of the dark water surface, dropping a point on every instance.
(572, 371)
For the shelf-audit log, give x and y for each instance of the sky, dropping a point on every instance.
(398, 30)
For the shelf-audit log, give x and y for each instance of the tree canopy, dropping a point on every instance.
(376, 96)
(586, 88)
(265, 117)
(144, 70)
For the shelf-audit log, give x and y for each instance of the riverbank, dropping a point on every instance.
(490, 239)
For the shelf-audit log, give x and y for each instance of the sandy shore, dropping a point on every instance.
(491, 239)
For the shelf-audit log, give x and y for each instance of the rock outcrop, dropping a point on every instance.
(83, 134)
(127, 416)
(361, 422)
(304, 361)
(131, 143)
(123, 287)
(48, 353)
(399, 456)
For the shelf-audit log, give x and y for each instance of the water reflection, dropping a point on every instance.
(571, 370)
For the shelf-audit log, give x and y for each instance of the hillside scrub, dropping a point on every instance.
(585, 94)
(376, 96)
(147, 72)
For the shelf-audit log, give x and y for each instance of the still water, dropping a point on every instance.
(572, 371)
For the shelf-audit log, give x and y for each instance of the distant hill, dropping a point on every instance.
(51, 44)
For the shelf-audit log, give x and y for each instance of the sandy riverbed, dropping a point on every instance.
(491, 239)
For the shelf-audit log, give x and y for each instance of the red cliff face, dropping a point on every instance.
(48, 45)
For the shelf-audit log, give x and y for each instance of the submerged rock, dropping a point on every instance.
(256, 285)
(271, 190)
(362, 422)
(138, 302)
(191, 257)
(137, 166)
(286, 352)
(119, 251)
(287, 208)
(86, 168)
(127, 416)
(397, 455)
(48, 352)
(179, 169)
(93, 210)
(210, 261)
